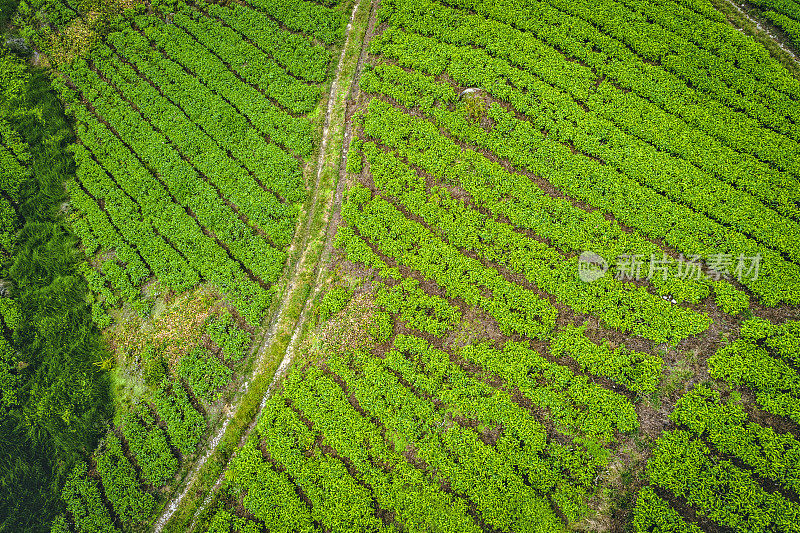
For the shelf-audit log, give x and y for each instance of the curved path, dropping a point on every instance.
(302, 242)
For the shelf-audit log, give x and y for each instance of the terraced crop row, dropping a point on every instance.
(481, 382)
(495, 142)
(641, 207)
(366, 425)
(194, 135)
(136, 460)
(190, 164)
(717, 461)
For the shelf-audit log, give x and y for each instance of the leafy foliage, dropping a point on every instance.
(418, 309)
(225, 522)
(416, 399)
(716, 487)
(204, 373)
(53, 396)
(185, 426)
(640, 372)
(382, 327)
(775, 383)
(411, 244)
(641, 190)
(120, 482)
(652, 514)
(191, 107)
(772, 455)
(468, 229)
(149, 445)
(270, 494)
(334, 301)
(84, 504)
(224, 333)
(783, 13)
(625, 127)
(321, 22)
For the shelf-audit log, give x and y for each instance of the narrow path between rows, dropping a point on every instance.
(301, 241)
(760, 27)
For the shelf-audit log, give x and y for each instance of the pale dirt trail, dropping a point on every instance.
(762, 28)
(173, 505)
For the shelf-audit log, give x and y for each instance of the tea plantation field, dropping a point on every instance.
(424, 265)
